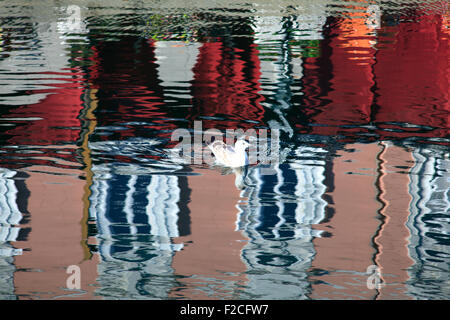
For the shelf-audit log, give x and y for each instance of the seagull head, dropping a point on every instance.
(241, 144)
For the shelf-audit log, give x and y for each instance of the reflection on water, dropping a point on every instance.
(87, 177)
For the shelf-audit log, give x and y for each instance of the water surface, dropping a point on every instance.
(359, 91)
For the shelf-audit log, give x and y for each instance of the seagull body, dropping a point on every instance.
(228, 156)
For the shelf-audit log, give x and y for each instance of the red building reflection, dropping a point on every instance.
(412, 76)
(226, 85)
(348, 97)
(398, 76)
(52, 123)
(128, 86)
(395, 78)
(54, 119)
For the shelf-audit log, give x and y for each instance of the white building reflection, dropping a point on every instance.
(278, 35)
(137, 217)
(32, 58)
(278, 219)
(10, 217)
(176, 60)
(429, 225)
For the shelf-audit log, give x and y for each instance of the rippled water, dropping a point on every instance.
(359, 91)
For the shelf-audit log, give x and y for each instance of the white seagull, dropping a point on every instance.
(228, 156)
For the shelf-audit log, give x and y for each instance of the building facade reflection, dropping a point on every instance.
(429, 206)
(10, 217)
(278, 218)
(136, 219)
(92, 141)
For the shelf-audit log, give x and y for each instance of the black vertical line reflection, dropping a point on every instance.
(184, 218)
(382, 217)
